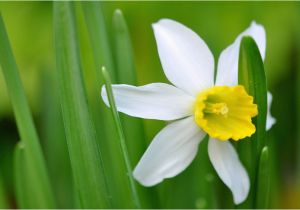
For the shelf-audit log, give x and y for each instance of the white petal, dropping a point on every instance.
(170, 152)
(153, 101)
(270, 119)
(187, 61)
(227, 73)
(229, 168)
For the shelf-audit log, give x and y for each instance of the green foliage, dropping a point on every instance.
(98, 35)
(83, 148)
(126, 74)
(3, 197)
(252, 77)
(22, 178)
(263, 182)
(121, 137)
(54, 142)
(40, 188)
(106, 133)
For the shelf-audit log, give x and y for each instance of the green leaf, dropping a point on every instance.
(252, 77)
(106, 133)
(85, 156)
(126, 74)
(98, 36)
(297, 91)
(263, 178)
(121, 136)
(54, 141)
(40, 189)
(22, 178)
(3, 196)
(123, 50)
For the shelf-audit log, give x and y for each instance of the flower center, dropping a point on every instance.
(225, 112)
(216, 108)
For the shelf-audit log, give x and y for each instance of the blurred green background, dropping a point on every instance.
(30, 29)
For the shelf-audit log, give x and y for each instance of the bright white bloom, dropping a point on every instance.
(197, 106)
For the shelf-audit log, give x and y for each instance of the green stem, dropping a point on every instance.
(121, 137)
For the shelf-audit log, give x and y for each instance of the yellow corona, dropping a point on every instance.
(226, 112)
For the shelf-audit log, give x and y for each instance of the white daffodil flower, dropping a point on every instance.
(196, 105)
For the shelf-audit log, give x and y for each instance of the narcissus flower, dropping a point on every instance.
(196, 105)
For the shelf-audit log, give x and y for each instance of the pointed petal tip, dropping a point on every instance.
(270, 122)
(186, 59)
(240, 198)
(161, 23)
(153, 25)
(144, 182)
(225, 160)
(157, 23)
(227, 73)
(256, 24)
(163, 20)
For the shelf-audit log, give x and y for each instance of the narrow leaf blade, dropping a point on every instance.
(99, 37)
(24, 200)
(106, 133)
(41, 189)
(252, 76)
(85, 156)
(3, 196)
(126, 74)
(263, 185)
(121, 136)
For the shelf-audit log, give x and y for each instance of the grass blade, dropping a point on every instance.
(54, 141)
(24, 178)
(106, 133)
(98, 35)
(298, 102)
(126, 74)
(121, 137)
(84, 151)
(3, 197)
(24, 200)
(263, 184)
(123, 50)
(40, 190)
(252, 77)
